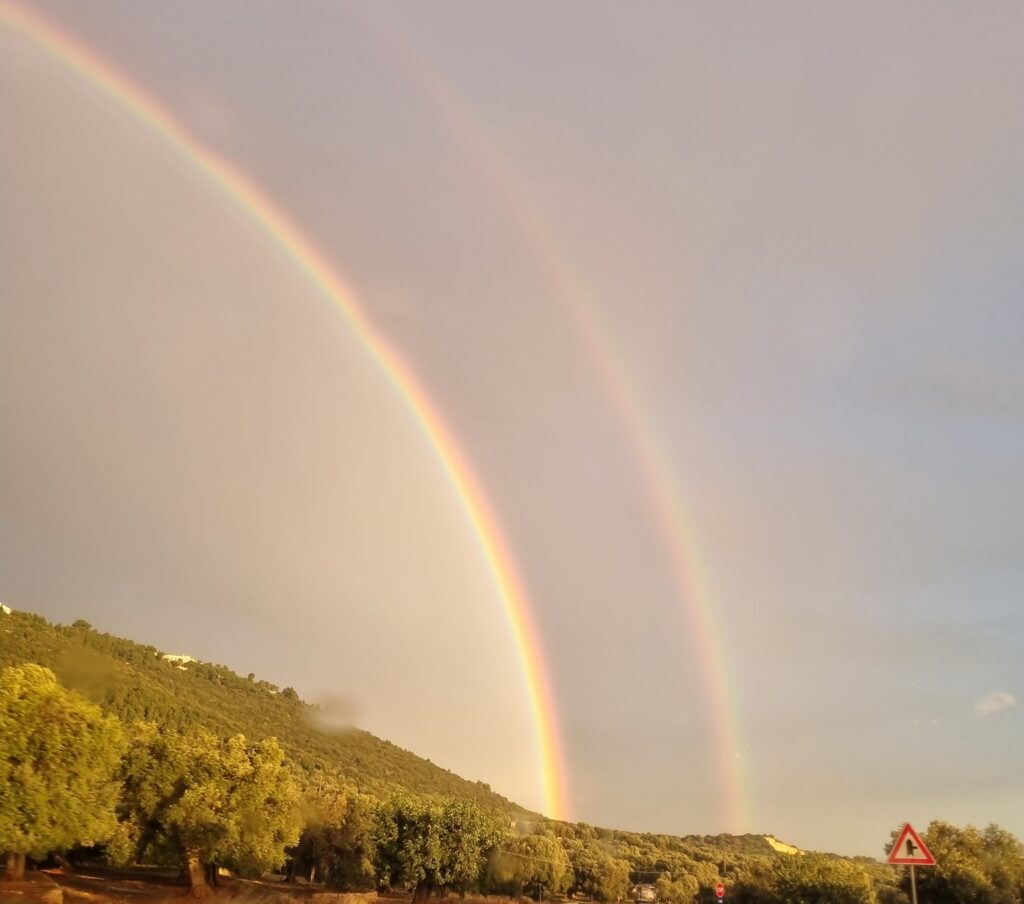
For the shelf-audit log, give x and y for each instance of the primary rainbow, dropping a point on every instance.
(664, 495)
(262, 211)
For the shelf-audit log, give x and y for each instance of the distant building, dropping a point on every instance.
(645, 894)
(176, 657)
(6, 610)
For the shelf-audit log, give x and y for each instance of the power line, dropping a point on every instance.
(528, 857)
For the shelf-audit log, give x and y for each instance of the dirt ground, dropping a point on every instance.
(143, 886)
(36, 889)
(154, 886)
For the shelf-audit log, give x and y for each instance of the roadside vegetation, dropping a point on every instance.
(110, 752)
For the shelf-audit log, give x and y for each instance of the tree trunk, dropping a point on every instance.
(422, 892)
(15, 869)
(195, 875)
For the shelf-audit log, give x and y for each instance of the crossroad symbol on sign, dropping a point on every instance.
(910, 850)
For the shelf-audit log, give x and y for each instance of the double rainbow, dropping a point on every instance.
(664, 495)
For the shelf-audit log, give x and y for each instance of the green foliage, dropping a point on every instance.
(133, 682)
(192, 785)
(522, 861)
(819, 879)
(612, 879)
(58, 759)
(686, 869)
(426, 844)
(596, 872)
(679, 890)
(972, 866)
(225, 801)
(335, 842)
(681, 866)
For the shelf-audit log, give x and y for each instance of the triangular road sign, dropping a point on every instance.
(910, 850)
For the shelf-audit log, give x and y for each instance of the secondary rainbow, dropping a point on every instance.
(665, 501)
(663, 491)
(230, 179)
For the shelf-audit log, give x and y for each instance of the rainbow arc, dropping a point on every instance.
(262, 211)
(666, 501)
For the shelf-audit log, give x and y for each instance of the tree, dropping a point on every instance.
(612, 879)
(202, 800)
(529, 860)
(335, 842)
(680, 889)
(584, 861)
(817, 879)
(58, 759)
(594, 872)
(1003, 859)
(423, 845)
(972, 866)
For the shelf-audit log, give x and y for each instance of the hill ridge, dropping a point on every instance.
(141, 682)
(137, 681)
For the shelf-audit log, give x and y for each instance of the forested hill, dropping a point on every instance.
(135, 682)
(322, 806)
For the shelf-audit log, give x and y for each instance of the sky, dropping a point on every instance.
(721, 305)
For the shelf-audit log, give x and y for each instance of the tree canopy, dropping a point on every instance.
(209, 800)
(335, 840)
(523, 861)
(425, 844)
(973, 866)
(58, 759)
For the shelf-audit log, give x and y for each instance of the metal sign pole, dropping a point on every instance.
(913, 886)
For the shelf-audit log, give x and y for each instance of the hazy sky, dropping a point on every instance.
(799, 226)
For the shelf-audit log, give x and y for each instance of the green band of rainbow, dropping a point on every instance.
(273, 222)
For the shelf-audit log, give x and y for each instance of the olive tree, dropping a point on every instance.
(522, 861)
(423, 845)
(335, 842)
(201, 800)
(58, 762)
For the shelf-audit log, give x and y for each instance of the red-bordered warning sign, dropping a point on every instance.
(910, 850)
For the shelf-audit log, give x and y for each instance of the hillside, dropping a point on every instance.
(135, 682)
(138, 682)
(657, 849)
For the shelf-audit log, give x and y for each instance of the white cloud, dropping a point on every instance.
(994, 702)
